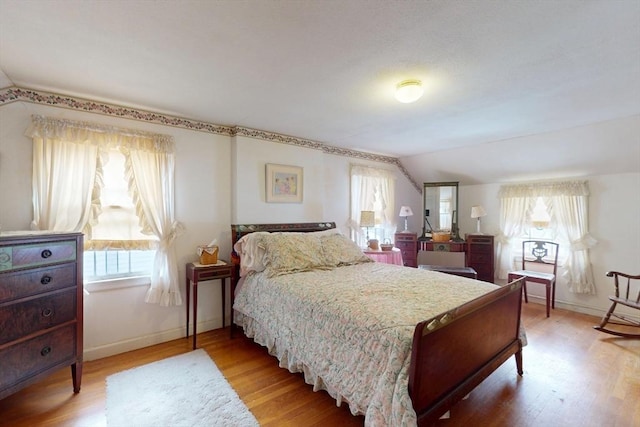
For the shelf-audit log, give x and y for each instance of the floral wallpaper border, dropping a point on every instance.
(14, 94)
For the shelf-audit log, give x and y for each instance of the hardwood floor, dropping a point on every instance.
(574, 376)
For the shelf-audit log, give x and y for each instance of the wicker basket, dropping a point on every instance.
(441, 236)
(386, 246)
(208, 254)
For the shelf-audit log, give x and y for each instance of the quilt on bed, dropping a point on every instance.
(350, 329)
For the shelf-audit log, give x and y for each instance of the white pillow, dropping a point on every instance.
(252, 254)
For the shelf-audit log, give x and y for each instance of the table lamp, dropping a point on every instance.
(478, 212)
(367, 219)
(405, 211)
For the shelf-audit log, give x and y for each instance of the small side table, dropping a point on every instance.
(199, 272)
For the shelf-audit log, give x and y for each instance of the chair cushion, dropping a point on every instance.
(534, 275)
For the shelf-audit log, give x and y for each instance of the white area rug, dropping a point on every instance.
(185, 390)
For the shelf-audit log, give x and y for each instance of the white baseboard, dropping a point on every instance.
(145, 341)
(592, 311)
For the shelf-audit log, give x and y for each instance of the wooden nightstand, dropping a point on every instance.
(199, 272)
(408, 244)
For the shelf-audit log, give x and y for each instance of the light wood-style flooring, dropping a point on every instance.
(573, 376)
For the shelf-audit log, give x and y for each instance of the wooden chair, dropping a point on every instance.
(538, 255)
(629, 296)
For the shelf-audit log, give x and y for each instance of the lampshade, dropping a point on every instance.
(477, 211)
(540, 224)
(405, 211)
(367, 219)
(408, 91)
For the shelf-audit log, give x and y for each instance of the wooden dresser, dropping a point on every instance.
(40, 307)
(408, 245)
(480, 255)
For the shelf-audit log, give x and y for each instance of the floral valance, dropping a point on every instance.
(110, 136)
(545, 189)
(372, 172)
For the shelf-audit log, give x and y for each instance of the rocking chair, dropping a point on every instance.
(628, 296)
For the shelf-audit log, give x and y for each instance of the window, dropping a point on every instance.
(557, 211)
(372, 189)
(69, 160)
(537, 227)
(109, 252)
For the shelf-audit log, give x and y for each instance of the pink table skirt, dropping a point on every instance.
(393, 256)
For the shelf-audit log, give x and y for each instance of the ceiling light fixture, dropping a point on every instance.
(408, 91)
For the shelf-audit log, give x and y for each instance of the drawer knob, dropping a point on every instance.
(46, 253)
(45, 280)
(47, 312)
(45, 350)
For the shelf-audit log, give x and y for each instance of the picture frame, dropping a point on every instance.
(284, 183)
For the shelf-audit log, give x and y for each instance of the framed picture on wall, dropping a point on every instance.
(284, 183)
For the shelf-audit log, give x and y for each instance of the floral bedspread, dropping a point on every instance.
(349, 330)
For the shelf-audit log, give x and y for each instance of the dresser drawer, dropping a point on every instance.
(221, 272)
(26, 317)
(32, 282)
(443, 247)
(405, 237)
(483, 269)
(29, 358)
(404, 246)
(27, 256)
(480, 258)
(477, 248)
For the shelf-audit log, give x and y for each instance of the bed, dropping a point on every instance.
(399, 345)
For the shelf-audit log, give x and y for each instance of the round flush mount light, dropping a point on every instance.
(408, 91)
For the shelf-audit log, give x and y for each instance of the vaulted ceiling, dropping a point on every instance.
(326, 70)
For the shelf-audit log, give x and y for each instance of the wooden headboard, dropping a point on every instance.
(239, 230)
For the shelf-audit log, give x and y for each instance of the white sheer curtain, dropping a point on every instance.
(149, 169)
(372, 189)
(67, 170)
(65, 163)
(567, 204)
(571, 210)
(513, 214)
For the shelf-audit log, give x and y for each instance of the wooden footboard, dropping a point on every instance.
(455, 351)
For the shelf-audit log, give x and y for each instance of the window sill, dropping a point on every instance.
(111, 284)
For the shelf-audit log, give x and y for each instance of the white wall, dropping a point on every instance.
(119, 320)
(219, 180)
(614, 203)
(326, 184)
(614, 220)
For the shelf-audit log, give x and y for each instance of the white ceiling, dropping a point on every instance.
(326, 70)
